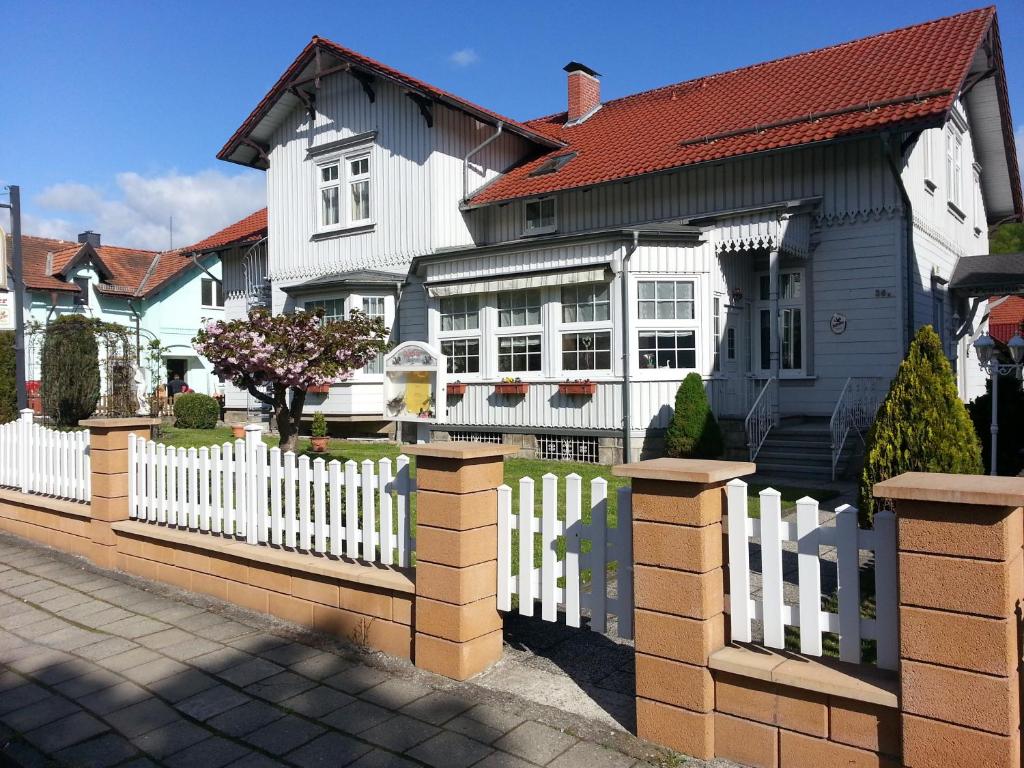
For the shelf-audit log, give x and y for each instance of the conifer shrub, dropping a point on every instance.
(194, 410)
(8, 388)
(70, 386)
(922, 426)
(694, 432)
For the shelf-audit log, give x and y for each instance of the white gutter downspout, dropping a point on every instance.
(627, 422)
(475, 150)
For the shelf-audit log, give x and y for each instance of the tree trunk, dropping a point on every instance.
(288, 415)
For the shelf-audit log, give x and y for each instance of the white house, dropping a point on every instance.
(781, 229)
(164, 296)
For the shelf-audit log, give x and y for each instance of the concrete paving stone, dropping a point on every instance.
(322, 666)
(47, 657)
(90, 682)
(65, 601)
(197, 621)
(170, 738)
(209, 753)
(14, 606)
(245, 719)
(23, 755)
(65, 670)
(128, 659)
(104, 649)
(177, 612)
(378, 758)
(8, 655)
(281, 686)
(52, 593)
(288, 653)
(328, 751)
(90, 586)
(10, 680)
(101, 752)
(284, 735)
(535, 742)
(257, 643)
(399, 733)
(182, 685)
(591, 755)
(228, 630)
(218, 661)
(395, 693)
(40, 713)
(43, 625)
(356, 679)
(22, 696)
(69, 638)
(153, 604)
(76, 577)
(189, 649)
(151, 671)
(114, 698)
(474, 729)
(504, 760)
(437, 707)
(255, 760)
(357, 717)
(495, 718)
(450, 750)
(120, 594)
(212, 702)
(104, 618)
(135, 626)
(318, 702)
(80, 611)
(22, 619)
(136, 719)
(28, 586)
(250, 671)
(163, 638)
(69, 730)
(139, 762)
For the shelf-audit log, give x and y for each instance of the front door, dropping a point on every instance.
(732, 363)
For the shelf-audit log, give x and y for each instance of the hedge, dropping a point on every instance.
(693, 433)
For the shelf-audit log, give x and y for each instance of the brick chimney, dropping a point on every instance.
(90, 237)
(584, 90)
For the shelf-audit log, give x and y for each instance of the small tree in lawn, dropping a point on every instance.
(290, 353)
(694, 433)
(922, 426)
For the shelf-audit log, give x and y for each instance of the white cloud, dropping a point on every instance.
(464, 57)
(138, 212)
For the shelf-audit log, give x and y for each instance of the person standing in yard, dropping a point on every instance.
(175, 386)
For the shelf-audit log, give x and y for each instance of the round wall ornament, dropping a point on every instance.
(837, 323)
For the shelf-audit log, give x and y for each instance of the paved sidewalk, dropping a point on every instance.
(102, 669)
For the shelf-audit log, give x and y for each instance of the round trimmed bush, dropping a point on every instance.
(193, 410)
(694, 433)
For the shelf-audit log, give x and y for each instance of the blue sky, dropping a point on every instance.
(113, 112)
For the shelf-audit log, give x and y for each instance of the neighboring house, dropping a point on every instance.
(155, 295)
(1006, 313)
(781, 229)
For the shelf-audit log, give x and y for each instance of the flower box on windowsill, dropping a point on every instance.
(319, 389)
(577, 388)
(511, 388)
(456, 389)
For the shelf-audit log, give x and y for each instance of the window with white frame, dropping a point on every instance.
(460, 313)
(667, 349)
(665, 299)
(977, 203)
(928, 161)
(342, 179)
(954, 165)
(374, 308)
(212, 292)
(540, 216)
(667, 332)
(792, 339)
(716, 323)
(519, 354)
(517, 308)
(333, 309)
(586, 303)
(587, 351)
(463, 355)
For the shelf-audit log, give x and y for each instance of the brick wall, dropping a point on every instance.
(60, 524)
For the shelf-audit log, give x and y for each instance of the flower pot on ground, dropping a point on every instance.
(511, 387)
(237, 430)
(577, 388)
(456, 389)
(318, 433)
(319, 389)
(319, 444)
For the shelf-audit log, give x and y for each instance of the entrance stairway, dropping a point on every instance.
(802, 446)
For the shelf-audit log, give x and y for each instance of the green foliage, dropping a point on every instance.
(193, 410)
(319, 426)
(922, 426)
(1009, 238)
(694, 433)
(8, 386)
(70, 385)
(1010, 440)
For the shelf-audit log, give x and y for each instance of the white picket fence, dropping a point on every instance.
(36, 459)
(848, 540)
(269, 498)
(608, 545)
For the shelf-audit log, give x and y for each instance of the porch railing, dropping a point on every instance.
(763, 416)
(855, 409)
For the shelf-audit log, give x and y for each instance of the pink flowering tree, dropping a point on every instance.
(290, 353)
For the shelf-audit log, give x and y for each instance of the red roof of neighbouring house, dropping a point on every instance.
(907, 77)
(1005, 319)
(250, 229)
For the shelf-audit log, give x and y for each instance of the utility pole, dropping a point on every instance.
(16, 289)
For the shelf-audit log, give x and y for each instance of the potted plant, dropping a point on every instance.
(318, 433)
(319, 389)
(511, 386)
(427, 411)
(577, 387)
(238, 430)
(456, 389)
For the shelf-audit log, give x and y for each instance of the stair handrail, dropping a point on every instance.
(761, 417)
(856, 406)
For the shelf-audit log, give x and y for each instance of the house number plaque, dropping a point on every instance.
(838, 323)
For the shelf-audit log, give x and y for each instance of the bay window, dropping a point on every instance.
(459, 331)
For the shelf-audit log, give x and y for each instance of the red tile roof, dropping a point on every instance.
(250, 229)
(908, 76)
(1005, 319)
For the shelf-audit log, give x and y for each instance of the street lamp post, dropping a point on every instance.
(985, 347)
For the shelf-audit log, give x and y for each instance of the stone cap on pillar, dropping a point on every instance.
(704, 471)
(130, 422)
(457, 451)
(983, 490)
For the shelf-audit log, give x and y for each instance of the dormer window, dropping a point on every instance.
(343, 185)
(82, 298)
(540, 216)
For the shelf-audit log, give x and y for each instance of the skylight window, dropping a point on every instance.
(552, 165)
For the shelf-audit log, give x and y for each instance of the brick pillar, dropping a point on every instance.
(458, 627)
(108, 464)
(679, 593)
(961, 583)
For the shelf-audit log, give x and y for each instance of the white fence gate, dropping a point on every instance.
(245, 490)
(847, 540)
(37, 459)
(608, 545)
